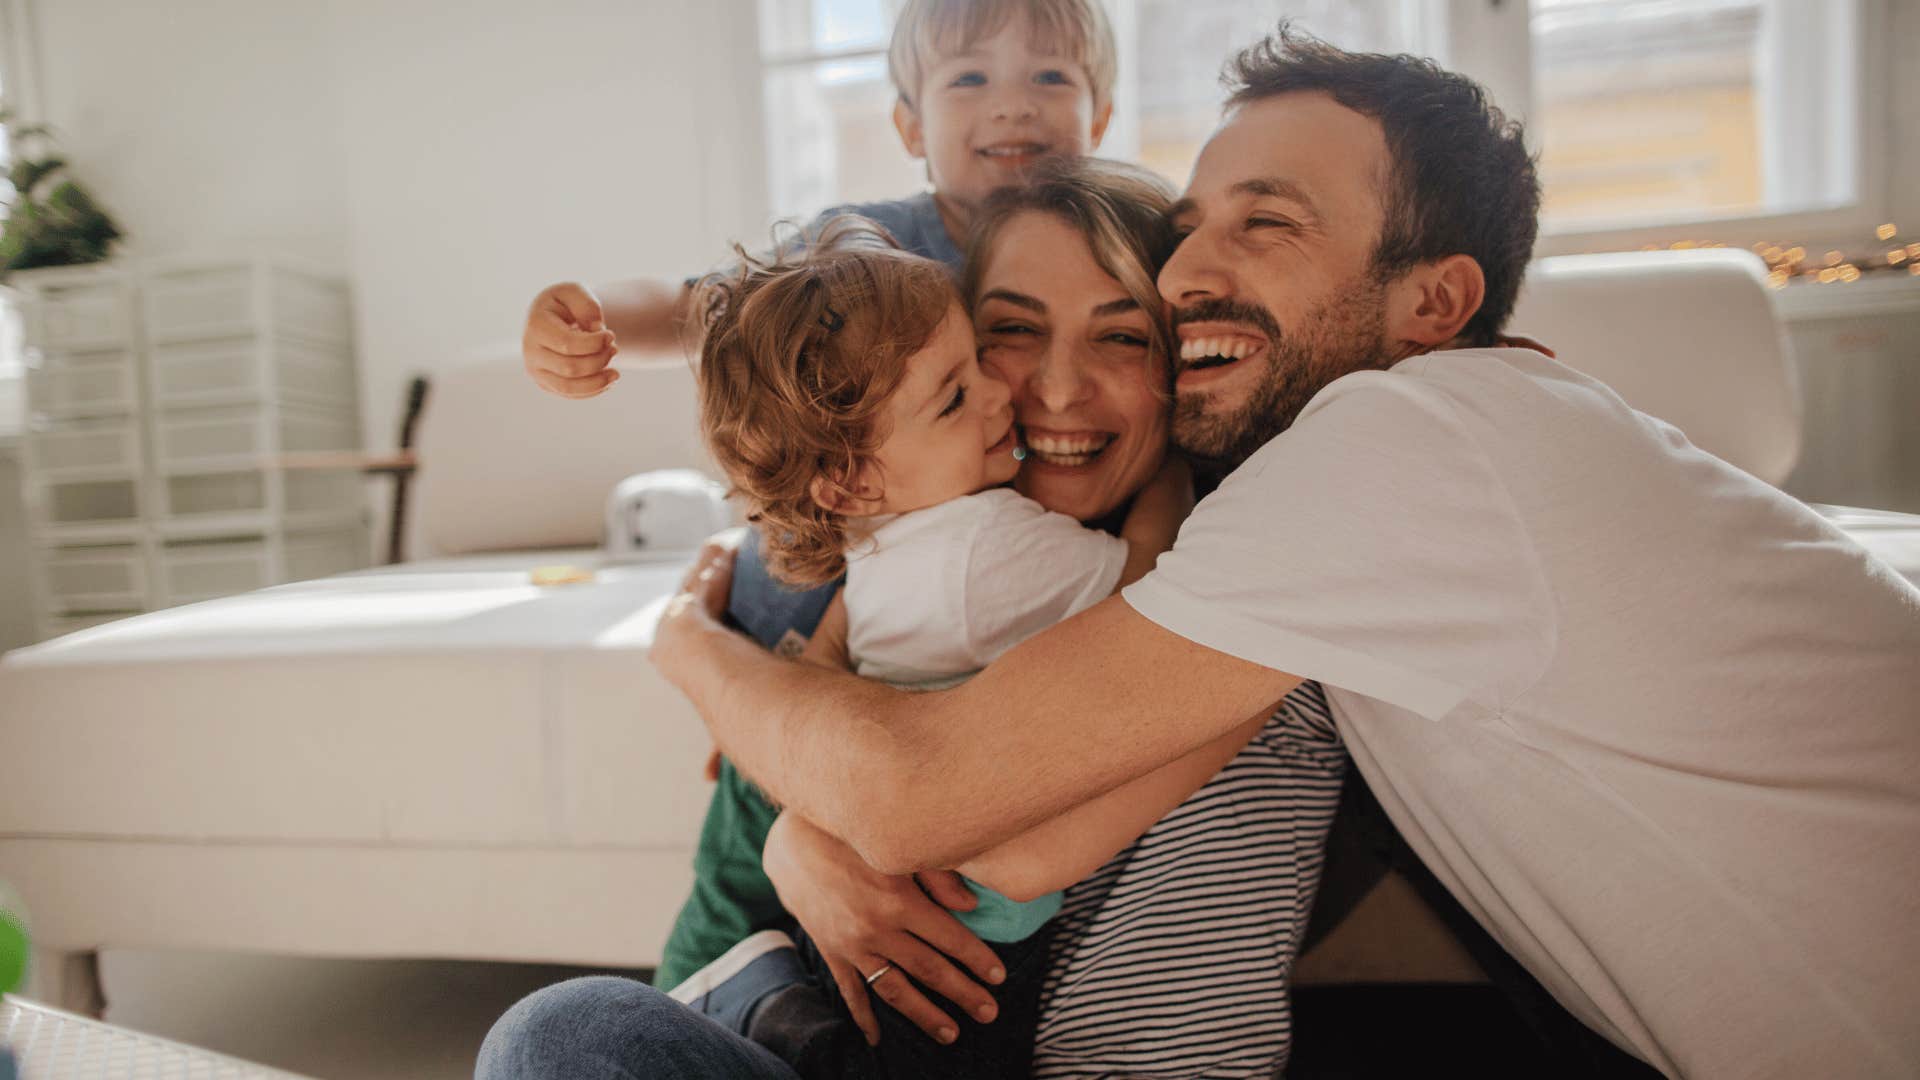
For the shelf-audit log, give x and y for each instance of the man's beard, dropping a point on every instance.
(1343, 335)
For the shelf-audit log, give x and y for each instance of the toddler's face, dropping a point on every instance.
(950, 426)
(986, 116)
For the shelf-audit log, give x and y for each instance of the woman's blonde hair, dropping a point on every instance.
(930, 29)
(800, 353)
(1120, 209)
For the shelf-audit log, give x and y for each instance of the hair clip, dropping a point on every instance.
(832, 319)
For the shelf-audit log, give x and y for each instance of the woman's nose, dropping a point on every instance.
(1062, 382)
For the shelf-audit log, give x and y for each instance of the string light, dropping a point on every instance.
(1786, 263)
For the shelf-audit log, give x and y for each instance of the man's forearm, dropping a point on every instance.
(814, 739)
(917, 781)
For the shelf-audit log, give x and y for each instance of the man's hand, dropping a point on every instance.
(567, 345)
(862, 921)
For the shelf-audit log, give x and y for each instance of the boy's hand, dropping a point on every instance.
(863, 922)
(567, 345)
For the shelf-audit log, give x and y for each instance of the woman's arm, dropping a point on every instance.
(1154, 519)
(1070, 847)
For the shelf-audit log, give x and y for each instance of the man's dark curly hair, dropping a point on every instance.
(1461, 181)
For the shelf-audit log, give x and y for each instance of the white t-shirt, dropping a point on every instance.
(1656, 724)
(937, 594)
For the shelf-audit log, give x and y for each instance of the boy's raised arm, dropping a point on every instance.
(573, 332)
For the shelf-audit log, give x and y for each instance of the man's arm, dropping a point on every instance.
(914, 781)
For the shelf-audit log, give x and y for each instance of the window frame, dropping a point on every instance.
(1491, 41)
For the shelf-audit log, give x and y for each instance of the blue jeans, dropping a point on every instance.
(602, 1027)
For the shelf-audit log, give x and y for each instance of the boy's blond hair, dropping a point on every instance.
(930, 29)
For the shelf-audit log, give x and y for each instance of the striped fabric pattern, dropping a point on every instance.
(1174, 959)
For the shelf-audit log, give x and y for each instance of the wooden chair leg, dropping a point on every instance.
(67, 980)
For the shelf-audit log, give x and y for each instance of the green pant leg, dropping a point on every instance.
(732, 896)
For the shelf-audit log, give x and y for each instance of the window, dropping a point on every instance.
(829, 106)
(1653, 118)
(1689, 110)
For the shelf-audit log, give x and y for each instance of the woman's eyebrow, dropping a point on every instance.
(1031, 303)
(1116, 307)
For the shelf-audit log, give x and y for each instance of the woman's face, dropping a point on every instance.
(1089, 386)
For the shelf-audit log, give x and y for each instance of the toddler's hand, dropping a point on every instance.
(566, 345)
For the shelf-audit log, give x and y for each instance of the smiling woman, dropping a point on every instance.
(1066, 311)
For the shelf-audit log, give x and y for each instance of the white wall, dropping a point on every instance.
(454, 158)
(201, 126)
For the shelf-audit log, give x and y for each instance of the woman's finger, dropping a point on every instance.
(937, 973)
(895, 989)
(853, 990)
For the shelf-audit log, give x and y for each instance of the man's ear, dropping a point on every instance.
(1433, 302)
(1102, 116)
(906, 121)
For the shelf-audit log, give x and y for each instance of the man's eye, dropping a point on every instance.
(971, 78)
(959, 399)
(1263, 223)
(1053, 77)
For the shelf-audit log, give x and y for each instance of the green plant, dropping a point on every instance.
(52, 221)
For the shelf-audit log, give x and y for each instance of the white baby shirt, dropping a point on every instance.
(937, 594)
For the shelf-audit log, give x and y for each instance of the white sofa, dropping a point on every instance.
(442, 759)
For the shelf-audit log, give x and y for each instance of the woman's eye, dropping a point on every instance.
(959, 399)
(1011, 328)
(971, 78)
(1128, 339)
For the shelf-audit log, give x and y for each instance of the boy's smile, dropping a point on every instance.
(985, 116)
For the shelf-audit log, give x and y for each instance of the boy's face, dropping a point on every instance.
(949, 427)
(984, 117)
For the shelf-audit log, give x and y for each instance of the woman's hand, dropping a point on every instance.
(862, 921)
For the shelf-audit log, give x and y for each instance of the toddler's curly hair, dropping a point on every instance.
(800, 352)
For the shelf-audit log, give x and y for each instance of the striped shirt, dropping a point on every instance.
(1174, 959)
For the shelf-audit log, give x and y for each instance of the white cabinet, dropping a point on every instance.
(162, 399)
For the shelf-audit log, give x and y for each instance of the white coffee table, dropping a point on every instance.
(52, 1045)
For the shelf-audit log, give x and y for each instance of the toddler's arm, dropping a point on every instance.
(572, 333)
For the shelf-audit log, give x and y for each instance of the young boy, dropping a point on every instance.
(985, 89)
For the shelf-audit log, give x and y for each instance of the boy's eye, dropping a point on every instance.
(959, 399)
(1053, 77)
(971, 78)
